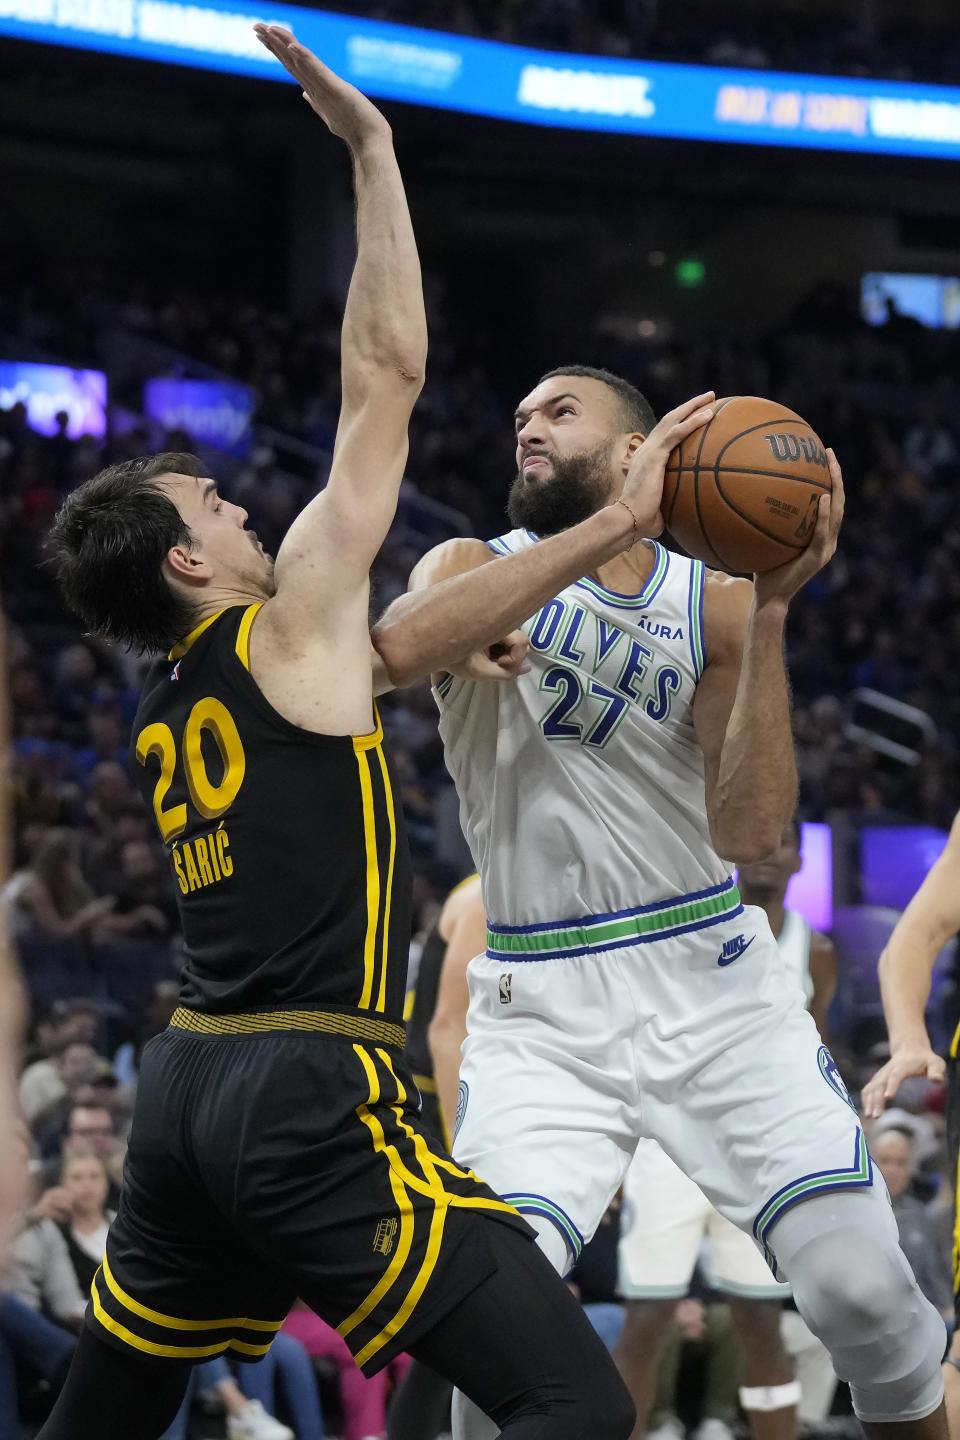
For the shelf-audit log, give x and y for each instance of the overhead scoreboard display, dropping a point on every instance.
(483, 77)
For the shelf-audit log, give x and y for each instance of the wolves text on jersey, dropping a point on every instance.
(630, 667)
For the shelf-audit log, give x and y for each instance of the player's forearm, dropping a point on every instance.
(756, 788)
(445, 1041)
(905, 972)
(906, 963)
(431, 629)
(384, 324)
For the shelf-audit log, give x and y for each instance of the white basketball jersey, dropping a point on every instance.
(793, 943)
(581, 783)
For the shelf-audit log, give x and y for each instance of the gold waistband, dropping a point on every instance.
(328, 1022)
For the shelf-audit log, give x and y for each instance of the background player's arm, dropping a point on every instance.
(741, 709)
(463, 600)
(906, 966)
(823, 973)
(463, 924)
(323, 565)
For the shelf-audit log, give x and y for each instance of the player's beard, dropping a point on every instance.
(578, 487)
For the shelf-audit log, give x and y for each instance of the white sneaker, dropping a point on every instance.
(670, 1428)
(253, 1423)
(713, 1429)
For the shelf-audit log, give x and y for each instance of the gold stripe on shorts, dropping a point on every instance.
(328, 1022)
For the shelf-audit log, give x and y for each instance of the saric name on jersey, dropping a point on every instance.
(203, 861)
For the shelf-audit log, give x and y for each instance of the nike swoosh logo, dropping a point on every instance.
(729, 959)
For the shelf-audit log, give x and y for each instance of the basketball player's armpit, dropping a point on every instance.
(741, 713)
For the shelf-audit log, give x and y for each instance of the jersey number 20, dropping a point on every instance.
(211, 800)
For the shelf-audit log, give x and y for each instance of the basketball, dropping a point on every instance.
(742, 493)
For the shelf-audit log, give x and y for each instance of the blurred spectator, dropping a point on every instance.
(30, 1346)
(144, 902)
(92, 1126)
(106, 735)
(42, 1099)
(919, 1237)
(43, 1082)
(40, 1272)
(157, 1012)
(51, 896)
(701, 1326)
(363, 1398)
(85, 1187)
(110, 794)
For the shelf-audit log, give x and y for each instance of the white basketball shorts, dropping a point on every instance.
(689, 1036)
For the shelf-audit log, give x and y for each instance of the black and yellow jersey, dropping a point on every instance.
(287, 848)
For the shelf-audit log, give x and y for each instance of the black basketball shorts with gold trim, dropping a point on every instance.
(279, 1155)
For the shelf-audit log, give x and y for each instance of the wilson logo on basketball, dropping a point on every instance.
(797, 447)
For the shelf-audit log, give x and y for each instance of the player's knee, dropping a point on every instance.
(846, 1286)
(858, 1295)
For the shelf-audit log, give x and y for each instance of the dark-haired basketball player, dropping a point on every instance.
(625, 990)
(276, 1150)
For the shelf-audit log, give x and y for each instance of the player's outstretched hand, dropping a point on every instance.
(643, 487)
(919, 1060)
(504, 660)
(340, 105)
(784, 582)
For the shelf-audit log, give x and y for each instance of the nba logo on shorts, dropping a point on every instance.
(505, 983)
(383, 1239)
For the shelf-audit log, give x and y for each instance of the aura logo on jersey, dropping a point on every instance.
(830, 1073)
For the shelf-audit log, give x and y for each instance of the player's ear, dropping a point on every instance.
(632, 444)
(186, 565)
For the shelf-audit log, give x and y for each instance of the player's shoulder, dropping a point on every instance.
(726, 605)
(727, 589)
(450, 557)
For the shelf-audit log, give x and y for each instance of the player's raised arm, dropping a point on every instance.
(741, 709)
(325, 558)
(906, 966)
